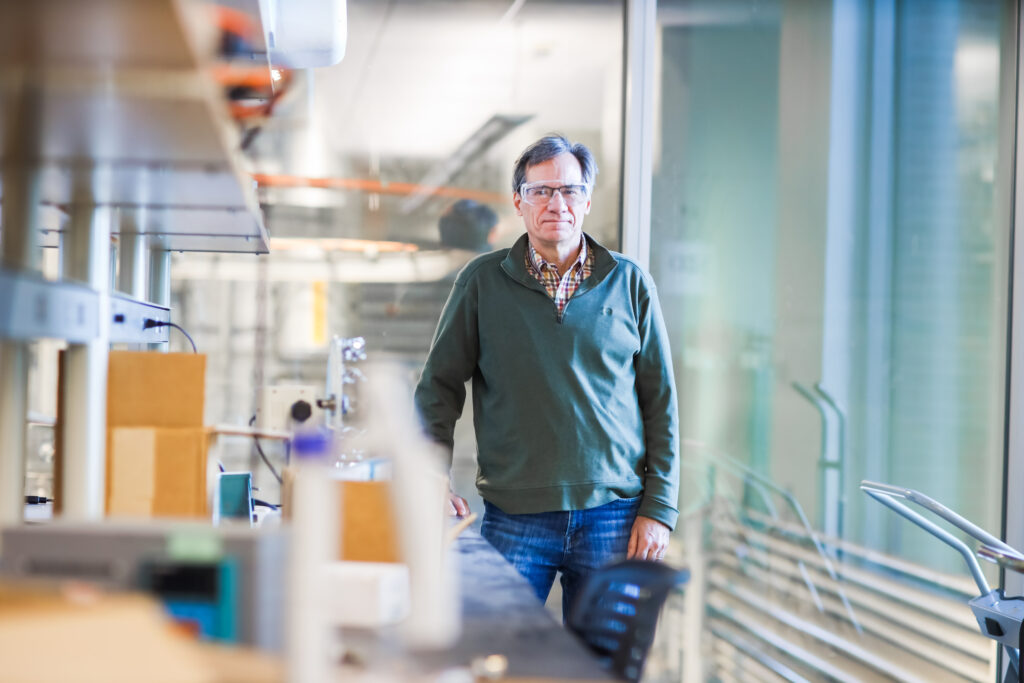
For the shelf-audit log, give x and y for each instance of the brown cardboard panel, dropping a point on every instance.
(180, 473)
(156, 472)
(146, 389)
(368, 531)
(131, 471)
(67, 633)
(368, 528)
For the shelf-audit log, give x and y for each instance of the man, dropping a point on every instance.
(468, 225)
(574, 402)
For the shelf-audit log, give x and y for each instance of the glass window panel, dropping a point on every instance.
(830, 239)
(431, 95)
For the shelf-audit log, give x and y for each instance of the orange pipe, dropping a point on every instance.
(339, 244)
(248, 76)
(280, 180)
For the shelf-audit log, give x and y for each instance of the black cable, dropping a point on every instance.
(149, 322)
(265, 504)
(259, 449)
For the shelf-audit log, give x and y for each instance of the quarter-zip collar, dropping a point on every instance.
(514, 265)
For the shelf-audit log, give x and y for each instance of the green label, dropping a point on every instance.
(194, 545)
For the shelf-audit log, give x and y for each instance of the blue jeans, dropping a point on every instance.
(574, 542)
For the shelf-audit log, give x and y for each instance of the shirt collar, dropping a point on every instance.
(540, 264)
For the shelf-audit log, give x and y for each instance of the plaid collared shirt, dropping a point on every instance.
(560, 287)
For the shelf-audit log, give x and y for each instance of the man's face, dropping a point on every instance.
(553, 223)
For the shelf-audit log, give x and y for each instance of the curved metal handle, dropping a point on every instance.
(885, 498)
(939, 510)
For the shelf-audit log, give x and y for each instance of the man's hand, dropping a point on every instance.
(457, 506)
(648, 539)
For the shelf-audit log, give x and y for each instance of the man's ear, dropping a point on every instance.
(515, 200)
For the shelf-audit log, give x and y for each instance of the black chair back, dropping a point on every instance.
(616, 611)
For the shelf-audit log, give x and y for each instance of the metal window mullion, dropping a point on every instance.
(638, 129)
(1013, 509)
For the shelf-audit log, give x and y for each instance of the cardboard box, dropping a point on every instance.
(156, 442)
(368, 531)
(156, 472)
(150, 389)
(155, 391)
(72, 632)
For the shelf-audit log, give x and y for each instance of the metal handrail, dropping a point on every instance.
(884, 494)
(794, 504)
(840, 462)
(935, 530)
(805, 522)
(747, 480)
(927, 632)
(823, 462)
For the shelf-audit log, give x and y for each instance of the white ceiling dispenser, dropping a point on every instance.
(303, 34)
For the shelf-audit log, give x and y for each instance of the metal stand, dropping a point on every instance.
(86, 258)
(998, 618)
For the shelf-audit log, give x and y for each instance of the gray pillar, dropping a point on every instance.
(83, 409)
(19, 251)
(14, 360)
(133, 258)
(159, 283)
(638, 133)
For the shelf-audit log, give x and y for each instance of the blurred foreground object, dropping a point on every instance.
(70, 632)
(253, 82)
(419, 498)
(120, 555)
(616, 612)
(305, 33)
(124, 112)
(314, 527)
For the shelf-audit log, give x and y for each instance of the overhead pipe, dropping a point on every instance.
(378, 186)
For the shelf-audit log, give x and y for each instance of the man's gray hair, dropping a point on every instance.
(550, 147)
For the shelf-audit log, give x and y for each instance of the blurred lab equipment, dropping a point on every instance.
(616, 612)
(314, 545)
(165, 556)
(344, 352)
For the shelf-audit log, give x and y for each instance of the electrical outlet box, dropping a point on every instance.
(286, 406)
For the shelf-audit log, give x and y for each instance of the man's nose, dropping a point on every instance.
(560, 201)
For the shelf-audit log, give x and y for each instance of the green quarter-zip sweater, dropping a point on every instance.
(568, 414)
